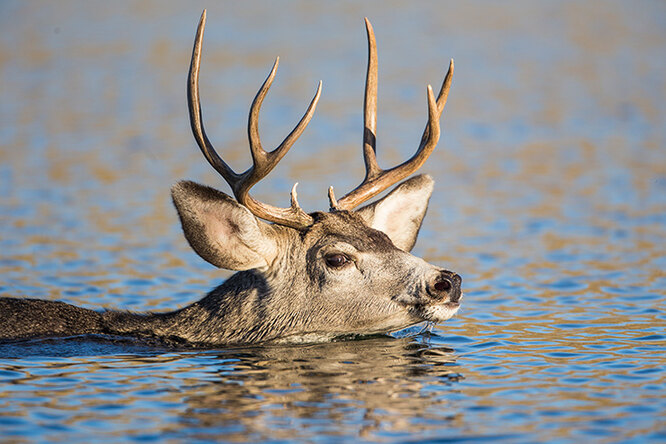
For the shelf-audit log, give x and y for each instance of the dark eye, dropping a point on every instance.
(336, 260)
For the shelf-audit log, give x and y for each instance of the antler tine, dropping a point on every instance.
(196, 119)
(262, 162)
(442, 97)
(378, 180)
(370, 108)
(253, 120)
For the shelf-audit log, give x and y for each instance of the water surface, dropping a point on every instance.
(550, 201)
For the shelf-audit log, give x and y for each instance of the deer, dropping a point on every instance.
(300, 277)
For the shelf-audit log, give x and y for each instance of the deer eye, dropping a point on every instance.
(337, 260)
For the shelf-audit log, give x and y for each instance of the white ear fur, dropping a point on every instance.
(400, 213)
(222, 231)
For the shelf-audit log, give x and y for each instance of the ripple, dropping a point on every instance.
(652, 338)
(549, 201)
(566, 285)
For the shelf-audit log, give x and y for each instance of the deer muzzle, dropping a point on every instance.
(446, 284)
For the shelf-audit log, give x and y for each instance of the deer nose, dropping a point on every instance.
(446, 283)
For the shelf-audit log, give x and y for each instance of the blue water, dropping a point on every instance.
(550, 201)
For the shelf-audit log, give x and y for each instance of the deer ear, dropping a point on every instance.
(400, 213)
(222, 231)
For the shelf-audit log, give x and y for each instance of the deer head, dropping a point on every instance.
(324, 273)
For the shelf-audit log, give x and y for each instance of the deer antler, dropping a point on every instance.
(377, 180)
(262, 161)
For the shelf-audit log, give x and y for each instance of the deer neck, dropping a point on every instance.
(236, 311)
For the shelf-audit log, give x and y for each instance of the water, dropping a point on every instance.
(550, 201)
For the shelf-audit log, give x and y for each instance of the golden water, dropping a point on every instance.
(550, 201)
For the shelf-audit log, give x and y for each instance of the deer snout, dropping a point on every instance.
(445, 284)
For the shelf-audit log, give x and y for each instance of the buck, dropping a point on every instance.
(300, 276)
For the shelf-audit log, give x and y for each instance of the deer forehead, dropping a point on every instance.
(349, 228)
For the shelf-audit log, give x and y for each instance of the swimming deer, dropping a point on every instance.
(300, 276)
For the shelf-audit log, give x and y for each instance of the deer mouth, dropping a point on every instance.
(438, 312)
(432, 308)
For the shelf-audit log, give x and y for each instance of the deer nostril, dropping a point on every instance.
(443, 285)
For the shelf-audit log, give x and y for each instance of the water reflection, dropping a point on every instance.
(330, 385)
(372, 386)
